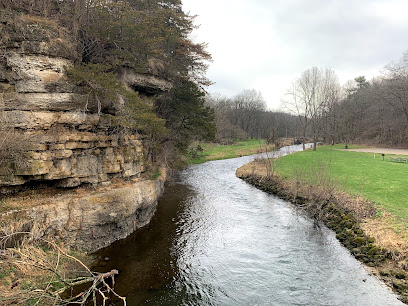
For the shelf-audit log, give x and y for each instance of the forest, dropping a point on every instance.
(319, 108)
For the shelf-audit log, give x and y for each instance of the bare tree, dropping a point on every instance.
(374, 112)
(227, 132)
(22, 252)
(247, 107)
(246, 116)
(394, 85)
(332, 95)
(309, 98)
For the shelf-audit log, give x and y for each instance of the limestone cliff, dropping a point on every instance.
(87, 220)
(69, 138)
(73, 144)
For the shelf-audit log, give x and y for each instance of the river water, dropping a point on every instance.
(215, 240)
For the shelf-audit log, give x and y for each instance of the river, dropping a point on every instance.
(215, 240)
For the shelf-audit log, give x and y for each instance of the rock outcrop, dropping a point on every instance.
(149, 84)
(69, 142)
(91, 221)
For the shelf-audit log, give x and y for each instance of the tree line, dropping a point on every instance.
(246, 116)
(373, 112)
(318, 108)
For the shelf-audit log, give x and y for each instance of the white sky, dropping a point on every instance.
(266, 44)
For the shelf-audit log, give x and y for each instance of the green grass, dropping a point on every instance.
(6, 271)
(212, 151)
(382, 182)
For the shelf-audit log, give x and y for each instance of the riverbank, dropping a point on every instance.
(214, 151)
(377, 179)
(369, 238)
(46, 235)
(37, 272)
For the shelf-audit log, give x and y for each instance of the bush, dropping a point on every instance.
(13, 147)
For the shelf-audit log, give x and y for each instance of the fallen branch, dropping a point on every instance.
(27, 255)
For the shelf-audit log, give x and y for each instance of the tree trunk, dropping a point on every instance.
(304, 137)
(79, 7)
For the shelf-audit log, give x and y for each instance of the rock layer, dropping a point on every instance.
(92, 221)
(69, 141)
(66, 140)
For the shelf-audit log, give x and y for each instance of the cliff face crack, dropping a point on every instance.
(69, 220)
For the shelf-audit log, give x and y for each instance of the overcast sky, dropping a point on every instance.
(266, 44)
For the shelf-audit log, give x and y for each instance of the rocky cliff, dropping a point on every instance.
(86, 219)
(68, 142)
(67, 137)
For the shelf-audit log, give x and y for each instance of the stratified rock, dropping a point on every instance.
(71, 136)
(93, 221)
(39, 101)
(144, 82)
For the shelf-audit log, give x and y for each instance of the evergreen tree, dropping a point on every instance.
(186, 116)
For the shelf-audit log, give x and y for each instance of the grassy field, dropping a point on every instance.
(382, 182)
(213, 151)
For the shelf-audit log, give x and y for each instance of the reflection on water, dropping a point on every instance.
(216, 240)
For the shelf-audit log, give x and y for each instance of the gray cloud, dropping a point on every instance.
(257, 42)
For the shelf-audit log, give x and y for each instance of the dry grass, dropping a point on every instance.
(387, 235)
(324, 191)
(26, 18)
(284, 142)
(360, 207)
(13, 146)
(36, 197)
(48, 195)
(38, 272)
(28, 272)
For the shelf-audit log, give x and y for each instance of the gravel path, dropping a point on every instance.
(381, 150)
